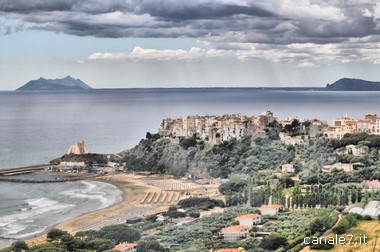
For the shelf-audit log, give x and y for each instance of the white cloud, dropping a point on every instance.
(108, 56)
(139, 53)
(307, 64)
(306, 10)
(376, 11)
(302, 55)
(367, 13)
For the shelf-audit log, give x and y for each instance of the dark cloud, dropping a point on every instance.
(193, 10)
(260, 21)
(35, 5)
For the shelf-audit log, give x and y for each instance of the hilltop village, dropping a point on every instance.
(237, 183)
(217, 129)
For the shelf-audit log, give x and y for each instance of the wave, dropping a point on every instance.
(94, 191)
(33, 215)
(20, 224)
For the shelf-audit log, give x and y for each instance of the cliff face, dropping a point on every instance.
(347, 84)
(197, 158)
(163, 156)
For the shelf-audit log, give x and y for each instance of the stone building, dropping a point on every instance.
(78, 148)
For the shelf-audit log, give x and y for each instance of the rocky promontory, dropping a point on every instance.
(67, 83)
(347, 84)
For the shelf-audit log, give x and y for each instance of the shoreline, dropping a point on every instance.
(132, 191)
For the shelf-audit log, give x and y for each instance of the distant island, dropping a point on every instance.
(347, 84)
(67, 83)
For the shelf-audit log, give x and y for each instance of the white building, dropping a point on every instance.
(338, 166)
(270, 209)
(287, 168)
(249, 219)
(72, 164)
(126, 247)
(235, 233)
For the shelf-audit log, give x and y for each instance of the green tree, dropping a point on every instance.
(353, 196)
(71, 244)
(119, 233)
(273, 242)
(56, 234)
(342, 227)
(148, 135)
(19, 246)
(99, 244)
(316, 225)
(149, 245)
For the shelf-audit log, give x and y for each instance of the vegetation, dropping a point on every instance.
(253, 169)
(186, 143)
(348, 221)
(56, 234)
(116, 233)
(273, 242)
(150, 245)
(89, 159)
(200, 203)
(17, 246)
(103, 240)
(368, 228)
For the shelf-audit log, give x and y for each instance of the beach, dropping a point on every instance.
(133, 202)
(133, 191)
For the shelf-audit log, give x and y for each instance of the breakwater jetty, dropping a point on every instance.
(7, 175)
(23, 170)
(18, 180)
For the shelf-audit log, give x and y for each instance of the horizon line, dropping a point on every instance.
(197, 87)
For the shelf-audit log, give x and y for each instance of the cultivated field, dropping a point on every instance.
(369, 228)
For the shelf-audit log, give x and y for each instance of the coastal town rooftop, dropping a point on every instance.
(126, 247)
(247, 216)
(237, 228)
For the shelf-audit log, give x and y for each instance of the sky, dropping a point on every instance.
(182, 43)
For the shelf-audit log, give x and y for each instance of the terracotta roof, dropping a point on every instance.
(373, 182)
(270, 207)
(351, 121)
(247, 216)
(238, 228)
(289, 165)
(123, 246)
(227, 250)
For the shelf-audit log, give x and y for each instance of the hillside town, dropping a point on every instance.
(216, 129)
(265, 185)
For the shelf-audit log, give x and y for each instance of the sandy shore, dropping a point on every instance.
(133, 191)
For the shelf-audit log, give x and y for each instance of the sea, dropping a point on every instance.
(36, 127)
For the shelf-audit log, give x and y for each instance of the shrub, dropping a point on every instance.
(322, 246)
(367, 217)
(19, 246)
(200, 203)
(185, 143)
(56, 234)
(273, 242)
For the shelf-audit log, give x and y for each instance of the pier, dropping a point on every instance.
(23, 170)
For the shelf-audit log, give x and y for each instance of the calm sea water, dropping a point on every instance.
(37, 127)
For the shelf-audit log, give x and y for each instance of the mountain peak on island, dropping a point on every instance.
(67, 83)
(347, 84)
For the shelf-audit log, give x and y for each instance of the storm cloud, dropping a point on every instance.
(278, 30)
